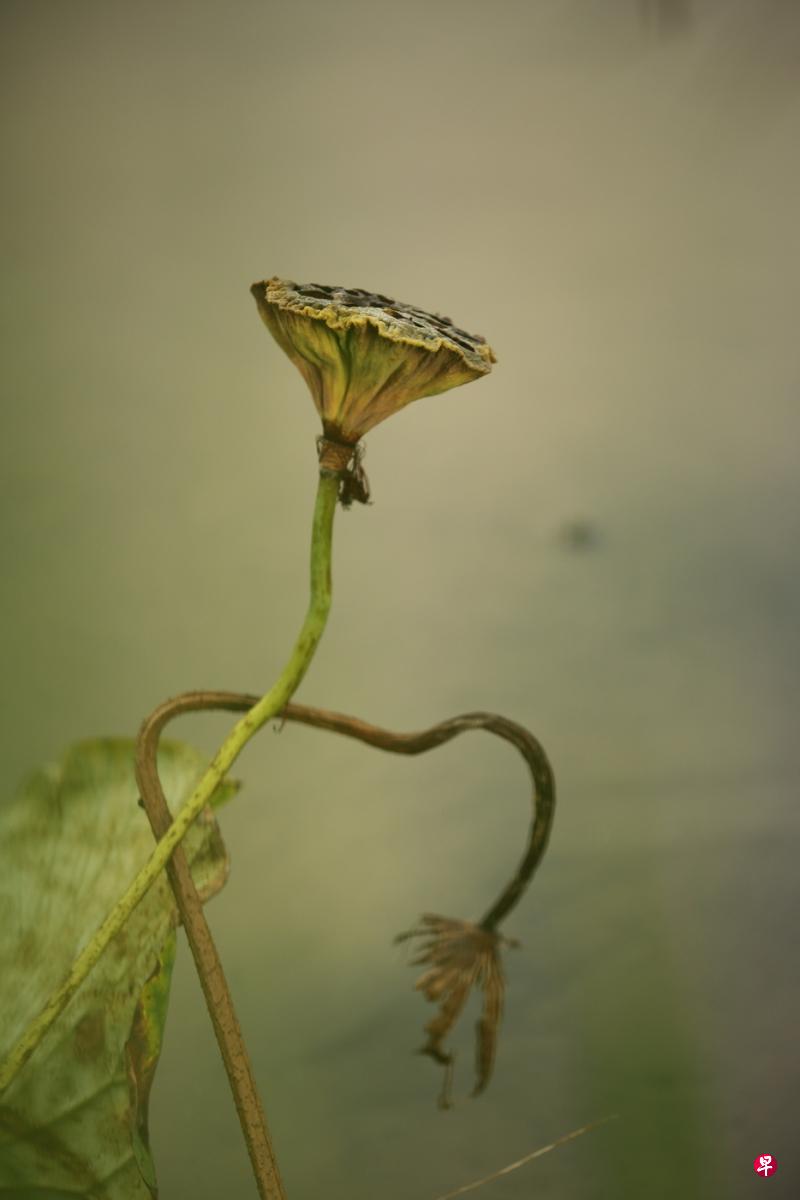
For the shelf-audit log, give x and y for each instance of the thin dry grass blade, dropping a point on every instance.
(568, 1137)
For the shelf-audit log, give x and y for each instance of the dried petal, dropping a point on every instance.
(459, 956)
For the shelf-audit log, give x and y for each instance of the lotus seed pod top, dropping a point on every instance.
(365, 356)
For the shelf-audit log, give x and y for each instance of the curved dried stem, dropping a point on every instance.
(459, 954)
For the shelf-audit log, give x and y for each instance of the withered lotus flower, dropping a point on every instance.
(365, 356)
(459, 956)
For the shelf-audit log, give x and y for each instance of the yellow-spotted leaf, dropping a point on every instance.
(74, 1121)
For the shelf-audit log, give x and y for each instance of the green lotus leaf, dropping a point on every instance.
(74, 1121)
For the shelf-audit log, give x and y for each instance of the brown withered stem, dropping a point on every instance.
(207, 961)
(459, 954)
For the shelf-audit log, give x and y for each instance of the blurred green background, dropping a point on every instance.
(599, 540)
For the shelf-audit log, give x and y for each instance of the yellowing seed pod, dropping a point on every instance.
(363, 355)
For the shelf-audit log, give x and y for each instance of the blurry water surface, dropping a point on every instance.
(599, 540)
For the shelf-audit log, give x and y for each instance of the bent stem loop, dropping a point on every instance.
(199, 935)
(543, 796)
(268, 706)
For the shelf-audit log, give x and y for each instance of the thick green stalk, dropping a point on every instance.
(266, 708)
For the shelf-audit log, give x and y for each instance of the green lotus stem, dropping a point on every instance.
(266, 708)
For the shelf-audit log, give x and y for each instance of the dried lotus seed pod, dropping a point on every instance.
(365, 356)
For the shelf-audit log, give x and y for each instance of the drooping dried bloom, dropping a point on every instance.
(460, 956)
(365, 356)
